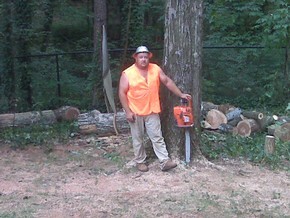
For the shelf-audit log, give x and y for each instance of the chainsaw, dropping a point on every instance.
(183, 113)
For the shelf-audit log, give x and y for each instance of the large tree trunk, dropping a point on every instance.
(182, 63)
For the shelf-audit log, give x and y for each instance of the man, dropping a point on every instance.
(139, 96)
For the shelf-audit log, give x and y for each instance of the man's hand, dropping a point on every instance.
(130, 116)
(185, 96)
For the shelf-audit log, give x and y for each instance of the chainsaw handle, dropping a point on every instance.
(186, 101)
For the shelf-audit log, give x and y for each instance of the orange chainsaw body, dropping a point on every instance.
(183, 114)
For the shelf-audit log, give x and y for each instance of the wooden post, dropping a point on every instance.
(269, 146)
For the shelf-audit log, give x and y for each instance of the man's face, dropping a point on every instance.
(142, 60)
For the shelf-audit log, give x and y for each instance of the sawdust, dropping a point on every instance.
(87, 177)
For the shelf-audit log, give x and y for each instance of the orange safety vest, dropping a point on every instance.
(143, 97)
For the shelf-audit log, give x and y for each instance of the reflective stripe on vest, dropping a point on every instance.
(143, 97)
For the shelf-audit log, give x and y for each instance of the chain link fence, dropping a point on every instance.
(244, 76)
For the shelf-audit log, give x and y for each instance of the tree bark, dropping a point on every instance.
(38, 117)
(48, 9)
(23, 14)
(265, 122)
(253, 115)
(102, 123)
(182, 63)
(269, 146)
(283, 132)
(9, 76)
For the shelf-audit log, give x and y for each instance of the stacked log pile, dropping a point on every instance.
(223, 118)
(230, 119)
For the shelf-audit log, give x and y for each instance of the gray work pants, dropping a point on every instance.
(150, 123)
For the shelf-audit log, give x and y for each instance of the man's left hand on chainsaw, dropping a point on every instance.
(185, 96)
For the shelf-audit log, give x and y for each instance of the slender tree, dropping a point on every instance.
(23, 20)
(8, 59)
(182, 63)
(48, 9)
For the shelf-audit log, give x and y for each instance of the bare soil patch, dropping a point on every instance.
(88, 177)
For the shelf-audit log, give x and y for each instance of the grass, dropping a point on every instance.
(215, 146)
(44, 135)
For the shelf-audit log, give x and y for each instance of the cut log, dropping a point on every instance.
(215, 118)
(282, 119)
(235, 121)
(269, 145)
(247, 127)
(226, 128)
(225, 108)
(206, 107)
(234, 113)
(204, 124)
(253, 115)
(38, 117)
(271, 129)
(283, 132)
(265, 122)
(95, 122)
(67, 113)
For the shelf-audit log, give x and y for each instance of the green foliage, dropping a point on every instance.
(215, 146)
(58, 26)
(146, 22)
(72, 26)
(275, 23)
(243, 77)
(230, 22)
(246, 77)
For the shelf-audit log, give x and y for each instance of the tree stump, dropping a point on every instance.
(269, 146)
(246, 127)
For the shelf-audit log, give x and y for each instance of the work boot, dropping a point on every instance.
(168, 165)
(142, 167)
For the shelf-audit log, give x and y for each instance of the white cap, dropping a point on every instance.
(142, 49)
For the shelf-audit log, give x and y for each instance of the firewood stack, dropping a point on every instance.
(229, 119)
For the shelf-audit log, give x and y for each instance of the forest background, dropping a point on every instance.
(47, 54)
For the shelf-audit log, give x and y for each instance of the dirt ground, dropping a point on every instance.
(88, 177)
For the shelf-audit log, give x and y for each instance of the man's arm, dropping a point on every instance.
(123, 89)
(172, 86)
